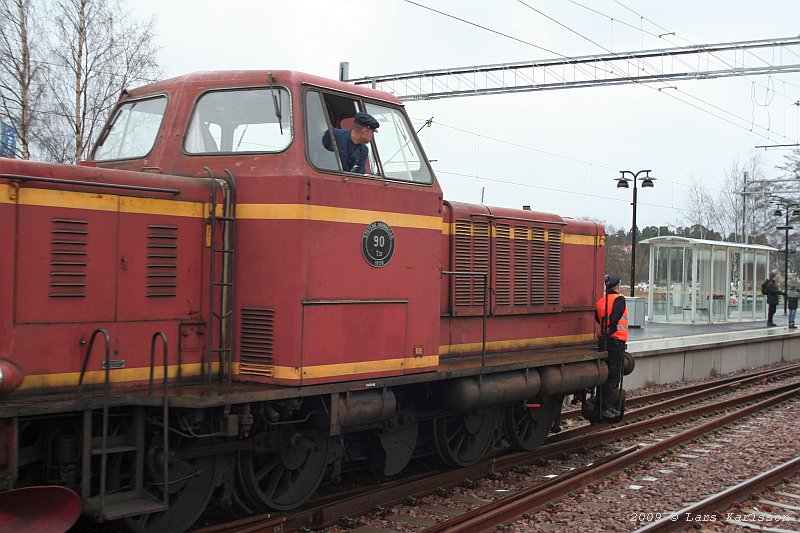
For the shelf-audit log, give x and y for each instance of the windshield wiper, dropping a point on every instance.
(276, 104)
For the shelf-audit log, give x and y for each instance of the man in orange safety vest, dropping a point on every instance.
(612, 315)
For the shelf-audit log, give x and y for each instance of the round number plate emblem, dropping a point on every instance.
(377, 244)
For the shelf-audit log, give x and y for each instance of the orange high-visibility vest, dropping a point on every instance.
(604, 306)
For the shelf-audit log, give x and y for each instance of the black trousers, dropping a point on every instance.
(771, 312)
(616, 355)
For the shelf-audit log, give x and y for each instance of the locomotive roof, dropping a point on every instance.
(234, 78)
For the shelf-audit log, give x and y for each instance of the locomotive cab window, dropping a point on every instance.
(393, 152)
(132, 131)
(398, 151)
(240, 120)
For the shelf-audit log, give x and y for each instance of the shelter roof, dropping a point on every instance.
(669, 240)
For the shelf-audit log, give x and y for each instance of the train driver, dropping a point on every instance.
(612, 315)
(352, 143)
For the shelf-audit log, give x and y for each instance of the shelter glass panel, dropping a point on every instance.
(719, 291)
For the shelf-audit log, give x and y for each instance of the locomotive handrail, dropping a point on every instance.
(89, 353)
(485, 276)
(231, 263)
(503, 217)
(165, 404)
(226, 298)
(91, 184)
(106, 397)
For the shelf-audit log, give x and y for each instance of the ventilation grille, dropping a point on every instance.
(522, 261)
(472, 255)
(538, 265)
(68, 258)
(162, 260)
(554, 267)
(257, 342)
(502, 283)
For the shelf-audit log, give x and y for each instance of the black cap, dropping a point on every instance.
(612, 281)
(366, 120)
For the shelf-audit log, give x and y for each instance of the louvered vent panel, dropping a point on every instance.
(538, 265)
(480, 259)
(471, 255)
(257, 342)
(68, 258)
(503, 265)
(522, 251)
(162, 260)
(554, 267)
(463, 262)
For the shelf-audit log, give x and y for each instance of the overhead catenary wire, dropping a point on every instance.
(742, 119)
(664, 92)
(591, 166)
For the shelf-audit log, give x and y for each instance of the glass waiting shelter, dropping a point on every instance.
(695, 280)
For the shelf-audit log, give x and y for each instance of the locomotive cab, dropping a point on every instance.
(334, 261)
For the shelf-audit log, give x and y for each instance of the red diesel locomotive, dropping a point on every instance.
(212, 307)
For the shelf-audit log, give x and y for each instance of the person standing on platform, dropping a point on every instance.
(612, 315)
(772, 291)
(792, 295)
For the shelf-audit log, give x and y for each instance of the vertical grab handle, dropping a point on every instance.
(165, 350)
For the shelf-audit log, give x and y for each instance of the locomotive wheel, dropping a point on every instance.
(463, 439)
(286, 476)
(191, 483)
(527, 427)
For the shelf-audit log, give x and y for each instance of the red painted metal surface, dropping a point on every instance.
(50, 509)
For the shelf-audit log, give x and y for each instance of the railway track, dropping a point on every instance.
(514, 506)
(708, 510)
(641, 421)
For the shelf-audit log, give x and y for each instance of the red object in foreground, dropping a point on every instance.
(11, 376)
(50, 509)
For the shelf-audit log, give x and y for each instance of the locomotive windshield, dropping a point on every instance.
(397, 147)
(240, 120)
(132, 132)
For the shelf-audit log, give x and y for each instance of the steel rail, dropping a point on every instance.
(579, 441)
(515, 505)
(635, 414)
(683, 391)
(327, 512)
(722, 500)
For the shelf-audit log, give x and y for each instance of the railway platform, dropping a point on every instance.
(666, 352)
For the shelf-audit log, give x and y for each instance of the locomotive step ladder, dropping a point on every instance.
(134, 499)
(220, 302)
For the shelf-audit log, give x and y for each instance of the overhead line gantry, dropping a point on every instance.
(646, 66)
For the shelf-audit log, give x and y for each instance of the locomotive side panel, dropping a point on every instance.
(66, 256)
(543, 275)
(89, 258)
(8, 230)
(160, 261)
(343, 267)
(583, 264)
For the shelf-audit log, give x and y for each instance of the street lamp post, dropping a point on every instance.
(788, 211)
(622, 183)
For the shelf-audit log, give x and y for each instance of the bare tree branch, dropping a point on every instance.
(99, 49)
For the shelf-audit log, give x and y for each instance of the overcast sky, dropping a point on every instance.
(558, 151)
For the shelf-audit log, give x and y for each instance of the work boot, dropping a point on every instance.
(792, 326)
(771, 324)
(610, 412)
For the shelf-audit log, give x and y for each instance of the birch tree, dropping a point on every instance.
(98, 50)
(21, 71)
(701, 208)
